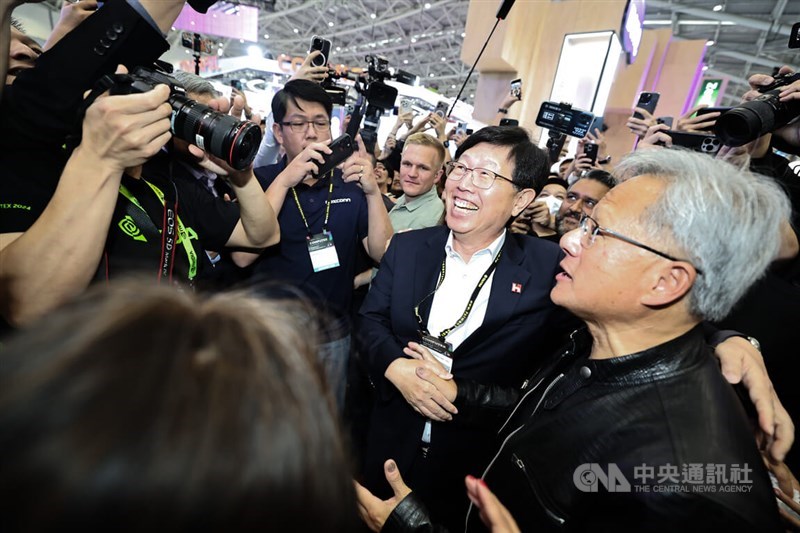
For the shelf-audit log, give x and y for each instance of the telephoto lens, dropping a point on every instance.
(234, 141)
(750, 120)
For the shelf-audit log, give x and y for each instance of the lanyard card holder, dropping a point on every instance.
(440, 349)
(322, 251)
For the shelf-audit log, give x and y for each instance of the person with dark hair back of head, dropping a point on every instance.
(323, 219)
(217, 419)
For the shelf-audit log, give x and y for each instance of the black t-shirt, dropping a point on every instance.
(134, 242)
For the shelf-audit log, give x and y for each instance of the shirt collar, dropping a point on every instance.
(415, 203)
(493, 249)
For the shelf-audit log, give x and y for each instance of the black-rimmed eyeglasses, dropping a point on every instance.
(482, 178)
(590, 229)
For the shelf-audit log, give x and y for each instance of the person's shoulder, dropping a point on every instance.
(419, 237)
(535, 246)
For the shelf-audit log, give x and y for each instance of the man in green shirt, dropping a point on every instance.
(420, 171)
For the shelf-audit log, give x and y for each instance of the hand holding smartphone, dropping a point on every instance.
(647, 101)
(516, 88)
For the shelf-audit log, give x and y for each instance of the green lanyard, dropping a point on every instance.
(190, 253)
(327, 207)
(444, 333)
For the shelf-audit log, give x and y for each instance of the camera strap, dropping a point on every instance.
(172, 227)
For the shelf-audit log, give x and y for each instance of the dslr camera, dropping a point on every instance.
(750, 120)
(562, 118)
(234, 141)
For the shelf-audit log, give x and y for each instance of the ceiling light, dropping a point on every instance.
(427, 6)
(266, 36)
(717, 7)
(430, 75)
(710, 42)
(338, 48)
(241, 41)
(444, 58)
(296, 30)
(330, 24)
(413, 40)
(472, 96)
(405, 61)
(463, 34)
(373, 15)
(452, 86)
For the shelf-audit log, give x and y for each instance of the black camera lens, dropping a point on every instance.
(234, 141)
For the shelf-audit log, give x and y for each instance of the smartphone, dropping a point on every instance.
(341, 148)
(405, 105)
(648, 102)
(470, 131)
(237, 84)
(461, 128)
(441, 109)
(509, 122)
(324, 46)
(597, 124)
(699, 142)
(516, 88)
(665, 120)
(356, 115)
(590, 150)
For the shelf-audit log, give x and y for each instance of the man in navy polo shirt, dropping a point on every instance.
(323, 219)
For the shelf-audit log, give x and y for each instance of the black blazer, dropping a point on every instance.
(518, 332)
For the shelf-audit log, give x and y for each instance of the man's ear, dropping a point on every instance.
(276, 130)
(439, 175)
(522, 200)
(671, 282)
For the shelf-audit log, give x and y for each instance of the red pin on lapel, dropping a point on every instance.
(516, 287)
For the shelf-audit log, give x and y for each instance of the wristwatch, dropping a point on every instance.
(502, 110)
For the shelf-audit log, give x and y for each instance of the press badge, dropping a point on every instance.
(322, 252)
(441, 350)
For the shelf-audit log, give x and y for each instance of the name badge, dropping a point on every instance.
(441, 350)
(322, 252)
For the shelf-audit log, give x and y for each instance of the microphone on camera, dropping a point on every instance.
(502, 13)
(505, 7)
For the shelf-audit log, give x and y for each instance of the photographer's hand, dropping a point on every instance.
(438, 123)
(307, 71)
(655, 137)
(304, 165)
(358, 168)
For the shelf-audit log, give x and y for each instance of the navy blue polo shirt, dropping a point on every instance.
(289, 261)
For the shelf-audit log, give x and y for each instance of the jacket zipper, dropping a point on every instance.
(502, 446)
(521, 466)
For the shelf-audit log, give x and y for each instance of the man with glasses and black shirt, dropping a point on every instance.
(323, 219)
(476, 294)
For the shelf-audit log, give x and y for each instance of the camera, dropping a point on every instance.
(749, 120)
(236, 142)
(562, 118)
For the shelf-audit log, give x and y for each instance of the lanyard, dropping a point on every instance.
(168, 232)
(327, 208)
(444, 333)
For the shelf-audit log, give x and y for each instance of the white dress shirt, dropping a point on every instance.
(451, 298)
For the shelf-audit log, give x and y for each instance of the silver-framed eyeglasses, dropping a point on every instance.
(299, 126)
(590, 229)
(482, 178)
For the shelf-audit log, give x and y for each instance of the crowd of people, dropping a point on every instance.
(449, 332)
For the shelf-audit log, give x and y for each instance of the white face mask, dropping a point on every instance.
(553, 204)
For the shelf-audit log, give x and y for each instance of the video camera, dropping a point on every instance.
(562, 118)
(750, 120)
(234, 141)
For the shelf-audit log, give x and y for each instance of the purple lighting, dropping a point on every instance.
(224, 19)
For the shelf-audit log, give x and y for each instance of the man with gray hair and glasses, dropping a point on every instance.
(632, 426)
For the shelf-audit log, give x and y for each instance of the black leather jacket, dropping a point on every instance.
(668, 405)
